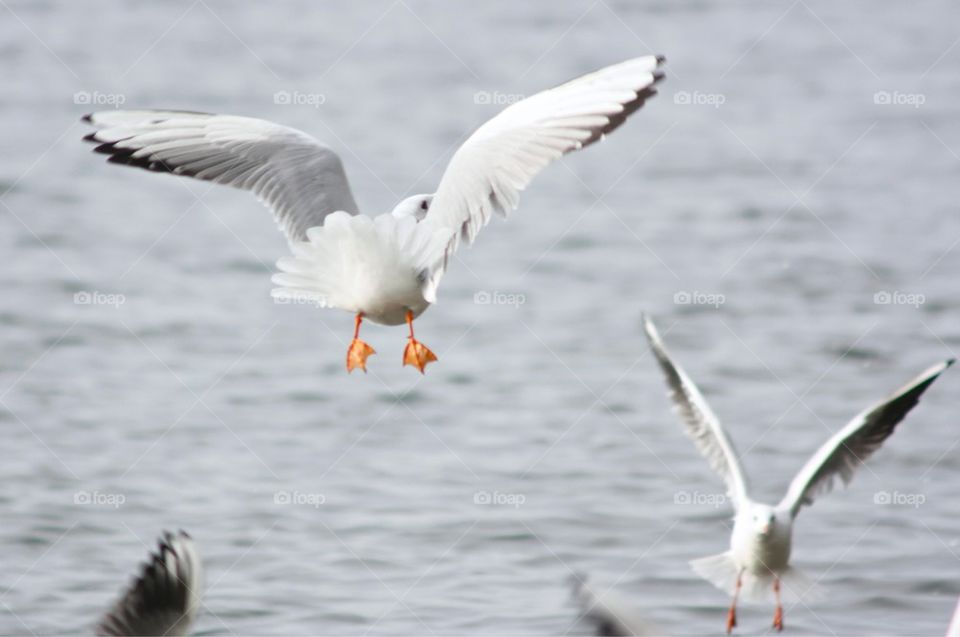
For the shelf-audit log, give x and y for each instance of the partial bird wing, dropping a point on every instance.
(298, 178)
(953, 630)
(165, 597)
(702, 425)
(846, 450)
(609, 612)
(499, 160)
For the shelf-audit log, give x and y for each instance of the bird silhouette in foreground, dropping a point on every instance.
(164, 598)
(385, 268)
(758, 559)
(610, 613)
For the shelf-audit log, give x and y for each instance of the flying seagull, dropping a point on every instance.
(758, 559)
(385, 268)
(165, 597)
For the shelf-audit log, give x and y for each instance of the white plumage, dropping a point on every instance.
(758, 560)
(386, 269)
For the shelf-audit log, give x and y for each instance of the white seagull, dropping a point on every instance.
(758, 559)
(165, 597)
(383, 268)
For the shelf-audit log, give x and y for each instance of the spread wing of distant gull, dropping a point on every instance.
(850, 447)
(165, 596)
(385, 268)
(759, 557)
(702, 424)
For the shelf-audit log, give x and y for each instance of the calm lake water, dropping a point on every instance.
(786, 209)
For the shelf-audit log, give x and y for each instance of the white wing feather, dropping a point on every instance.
(298, 178)
(499, 160)
(845, 451)
(702, 425)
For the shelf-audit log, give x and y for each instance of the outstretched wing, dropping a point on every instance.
(165, 597)
(846, 450)
(702, 425)
(499, 160)
(298, 178)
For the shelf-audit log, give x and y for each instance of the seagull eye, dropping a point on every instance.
(423, 205)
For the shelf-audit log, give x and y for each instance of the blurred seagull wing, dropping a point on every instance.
(165, 596)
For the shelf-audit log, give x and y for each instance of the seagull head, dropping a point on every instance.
(763, 519)
(415, 206)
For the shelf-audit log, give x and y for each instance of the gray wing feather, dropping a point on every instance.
(844, 452)
(702, 424)
(298, 178)
(164, 597)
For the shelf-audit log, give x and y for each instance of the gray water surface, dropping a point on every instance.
(769, 183)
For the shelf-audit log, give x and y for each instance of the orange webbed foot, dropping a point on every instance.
(418, 355)
(357, 355)
(778, 619)
(731, 620)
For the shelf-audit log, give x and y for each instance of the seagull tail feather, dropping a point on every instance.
(721, 571)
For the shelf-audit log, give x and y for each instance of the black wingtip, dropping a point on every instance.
(661, 59)
(87, 119)
(658, 75)
(90, 137)
(949, 362)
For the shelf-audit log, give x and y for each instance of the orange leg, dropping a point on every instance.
(358, 351)
(732, 613)
(416, 353)
(777, 614)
